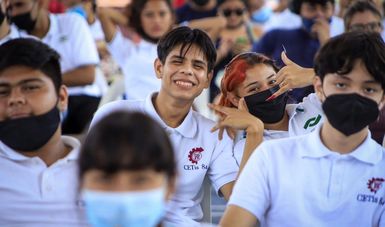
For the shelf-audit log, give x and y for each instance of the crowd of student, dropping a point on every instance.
(296, 141)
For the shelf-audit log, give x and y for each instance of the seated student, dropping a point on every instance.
(127, 175)
(252, 78)
(38, 181)
(185, 62)
(333, 176)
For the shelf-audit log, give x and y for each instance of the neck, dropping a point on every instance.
(52, 151)
(4, 29)
(282, 125)
(170, 110)
(338, 142)
(42, 25)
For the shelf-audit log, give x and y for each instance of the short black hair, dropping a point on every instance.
(360, 7)
(341, 52)
(295, 5)
(126, 140)
(186, 37)
(34, 54)
(135, 9)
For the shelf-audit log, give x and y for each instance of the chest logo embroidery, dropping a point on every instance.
(195, 155)
(375, 184)
(312, 121)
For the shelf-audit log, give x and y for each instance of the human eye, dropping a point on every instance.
(370, 90)
(340, 85)
(4, 91)
(30, 87)
(272, 82)
(149, 14)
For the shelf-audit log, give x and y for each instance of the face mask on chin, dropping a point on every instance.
(350, 113)
(30, 133)
(267, 111)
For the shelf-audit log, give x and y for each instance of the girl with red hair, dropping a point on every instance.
(248, 84)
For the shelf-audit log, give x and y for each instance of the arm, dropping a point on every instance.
(237, 216)
(211, 25)
(239, 119)
(80, 76)
(109, 18)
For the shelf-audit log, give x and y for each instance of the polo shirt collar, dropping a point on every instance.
(11, 154)
(366, 152)
(187, 128)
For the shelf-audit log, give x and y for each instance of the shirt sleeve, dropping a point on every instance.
(223, 167)
(266, 44)
(251, 192)
(82, 42)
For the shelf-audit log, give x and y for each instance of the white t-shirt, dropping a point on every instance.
(297, 181)
(304, 117)
(137, 64)
(35, 195)
(289, 20)
(70, 36)
(198, 153)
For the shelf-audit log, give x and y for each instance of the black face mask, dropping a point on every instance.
(2, 17)
(24, 22)
(29, 133)
(200, 2)
(350, 113)
(267, 111)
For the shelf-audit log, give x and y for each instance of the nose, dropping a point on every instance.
(16, 98)
(187, 69)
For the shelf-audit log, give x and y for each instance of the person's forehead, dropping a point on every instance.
(193, 52)
(19, 73)
(365, 16)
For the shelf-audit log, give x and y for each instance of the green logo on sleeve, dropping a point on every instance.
(312, 122)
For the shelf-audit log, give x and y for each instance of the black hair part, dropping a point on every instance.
(135, 10)
(295, 5)
(186, 37)
(127, 141)
(340, 54)
(34, 54)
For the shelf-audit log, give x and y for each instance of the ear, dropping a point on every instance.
(62, 98)
(209, 78)
(317, 83)
(158, 66)
(234, 99)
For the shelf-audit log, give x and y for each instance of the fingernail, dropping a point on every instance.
(271, 98)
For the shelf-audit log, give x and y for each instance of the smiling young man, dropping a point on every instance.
(184, 65)
(38, 168)
(335, 175)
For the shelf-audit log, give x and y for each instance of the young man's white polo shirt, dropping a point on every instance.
(70, 36)
(137, 64)
(304, 117)
(33, 194)
(198, 153)
(297, 181)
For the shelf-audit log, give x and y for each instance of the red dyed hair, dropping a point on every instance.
(235, 73)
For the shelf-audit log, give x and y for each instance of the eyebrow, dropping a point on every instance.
(256, 82)
(5, 84)
(372, 81)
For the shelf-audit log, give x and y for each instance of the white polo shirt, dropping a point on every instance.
(137, 64)
(297, 181)
(198, 153)
(304, 117)
(32, 194)
(70, 36)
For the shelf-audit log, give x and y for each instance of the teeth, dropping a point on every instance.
(184, 84)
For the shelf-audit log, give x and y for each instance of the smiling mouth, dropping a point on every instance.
(20, 115)
(184, 84)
